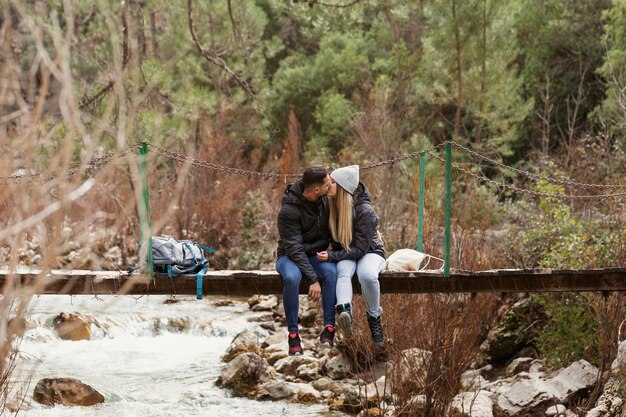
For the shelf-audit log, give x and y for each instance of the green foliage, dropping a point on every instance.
(469, 60)
(332, 114)
(571, 331)
(614, 68)
(253, 252)
(561, 45)
(315, 87)
(555, 237)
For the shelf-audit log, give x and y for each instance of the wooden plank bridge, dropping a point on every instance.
(269, 282)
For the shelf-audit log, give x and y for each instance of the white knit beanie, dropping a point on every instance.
(347, 177)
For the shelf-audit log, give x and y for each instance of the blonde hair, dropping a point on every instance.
(341, 217)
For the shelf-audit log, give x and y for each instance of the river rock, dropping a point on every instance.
(246, 341)
(72, 326)
(410, 370)
(263, 302)
(290, 364)
(276, 346)
(377, 391)
(373, 411)
(66, 391)
(473, 404)
(611, 403)
(556, 410)
(472, 380)
(532, 391)
(344, 387)
(518, 328)
(337, 367)
(275, 390)
(308, 372)
(16, 327)
(351, 403)
(113, 258)
(518, 365)
(244, 373)
(224, 303)
(280, 390)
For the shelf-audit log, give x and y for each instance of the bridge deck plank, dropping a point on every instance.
(234, 282)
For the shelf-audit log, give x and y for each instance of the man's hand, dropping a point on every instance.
(322, 256)
(315, 291)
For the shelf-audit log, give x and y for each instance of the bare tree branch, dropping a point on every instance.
(126, 49)
(232, 19)
(214, 60)
(86, 101)
(337, 6)
(52, 208)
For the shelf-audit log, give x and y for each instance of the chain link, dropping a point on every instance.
(535, 176)
(524, 190)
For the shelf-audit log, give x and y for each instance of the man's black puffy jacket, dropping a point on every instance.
(365, 237)
(302, 228)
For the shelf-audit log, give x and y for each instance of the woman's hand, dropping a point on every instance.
(322, 256)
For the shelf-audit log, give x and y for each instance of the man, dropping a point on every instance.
(303, 231)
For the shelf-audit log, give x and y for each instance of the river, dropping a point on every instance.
(142, 363)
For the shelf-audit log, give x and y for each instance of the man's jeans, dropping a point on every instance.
(291, 275)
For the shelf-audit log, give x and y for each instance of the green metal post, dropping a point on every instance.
(145, 232)
(420, 209)
(446, 265)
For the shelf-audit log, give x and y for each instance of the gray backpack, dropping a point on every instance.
(176, 257)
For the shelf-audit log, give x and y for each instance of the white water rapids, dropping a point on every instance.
(140, 359)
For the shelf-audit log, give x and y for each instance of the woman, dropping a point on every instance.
(356, 246)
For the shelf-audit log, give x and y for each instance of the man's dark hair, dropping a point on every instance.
(314, 176)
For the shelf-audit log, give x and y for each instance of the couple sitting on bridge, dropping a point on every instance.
(321, 210)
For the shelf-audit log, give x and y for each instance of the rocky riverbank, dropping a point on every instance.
(256, 366)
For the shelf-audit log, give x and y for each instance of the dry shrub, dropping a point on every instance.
(609, 310)
(204, 201)
(11, 332)
(449, 328)
(49, 138)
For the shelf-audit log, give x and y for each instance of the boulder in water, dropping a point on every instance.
(72, 326)
(66, 391)
(244, 373)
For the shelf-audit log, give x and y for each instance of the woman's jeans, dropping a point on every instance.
(367, 269)
(291, 275)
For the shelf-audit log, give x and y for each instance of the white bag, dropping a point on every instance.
(406, 260)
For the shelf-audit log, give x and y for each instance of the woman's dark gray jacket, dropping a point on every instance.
(365, 237)
(302, 228)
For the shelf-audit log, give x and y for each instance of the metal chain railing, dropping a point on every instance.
(482, 178)
(96, 163)
(404, 157)
(534, 176)
(88, 167)
(220, 168)
(215, 167)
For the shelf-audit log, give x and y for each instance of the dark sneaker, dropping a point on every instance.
(344, 320)
(376, 328)
(295, 347)
(328, 336)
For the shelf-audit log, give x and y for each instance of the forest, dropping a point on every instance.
(236, 98)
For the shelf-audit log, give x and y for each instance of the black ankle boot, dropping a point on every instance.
(376, 328)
